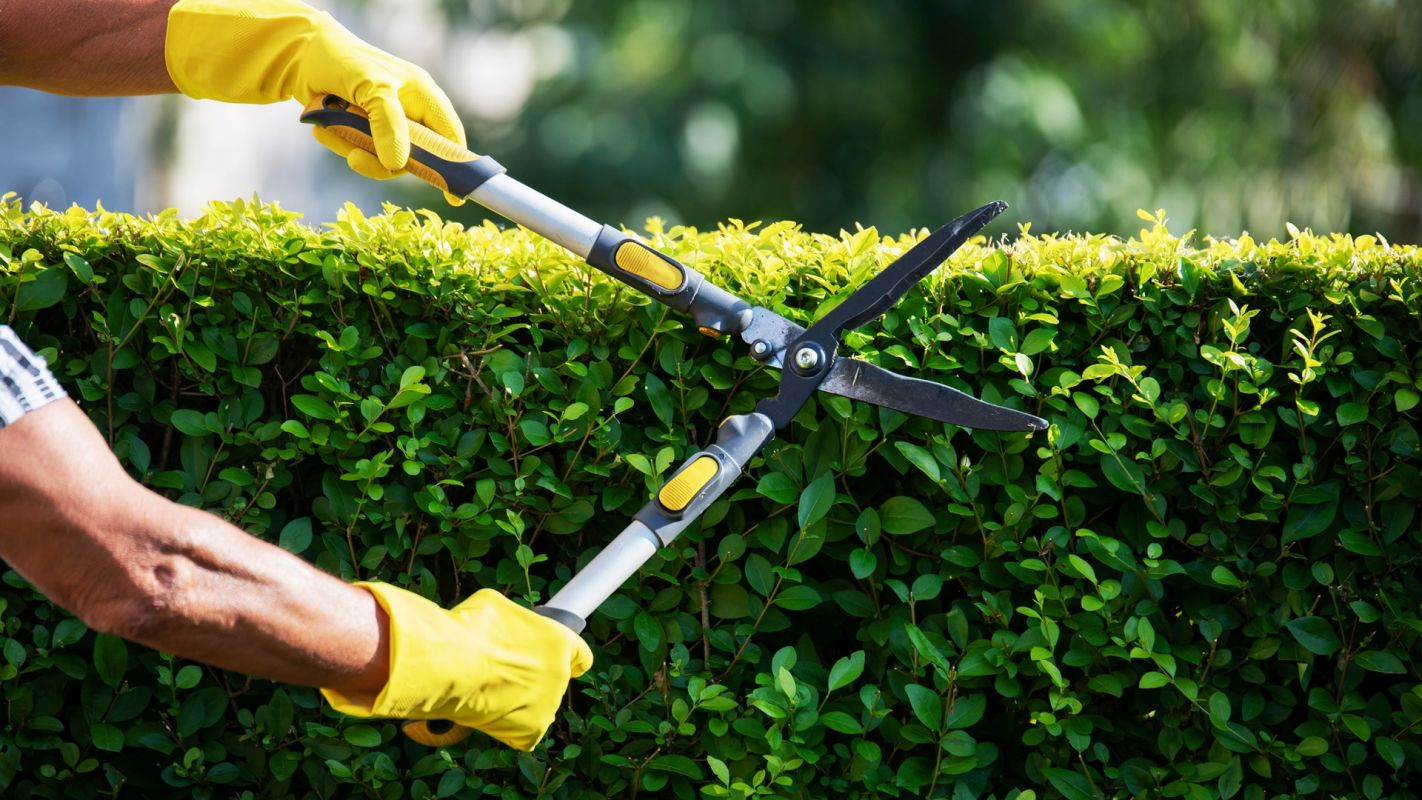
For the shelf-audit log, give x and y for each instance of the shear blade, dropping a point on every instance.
(883, 291)
(860, 380)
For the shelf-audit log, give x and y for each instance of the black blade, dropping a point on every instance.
(860, 380)
(884, 290)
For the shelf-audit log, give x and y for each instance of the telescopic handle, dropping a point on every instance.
(446, 165)
(691, 489)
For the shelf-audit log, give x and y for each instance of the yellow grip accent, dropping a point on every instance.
(420, 136)
(682, 489)
(435, 733)
(647, 264)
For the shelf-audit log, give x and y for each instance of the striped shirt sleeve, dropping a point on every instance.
(25, 380)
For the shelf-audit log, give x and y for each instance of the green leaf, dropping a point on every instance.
(106, 737)
(816, 500)
(48, 288)
(841, 722)
(1307, 521)
(921, 458)
(1220, 708)
(413, 374)
(798, 598)
(846, 670)
(110, 658)
(1072, 785)
(1352, 413)
(649, 631)
(902, 515)
(778, 487)
(296, 535)
(925, 648)
(362, 736)
(189, 422)
(966, 711)
(719, 768)
(1312, 746)
(80, 267)
(732, 547)
(1154, 680)
(1082, 566)
(785, 682)
(188, 677)
(1316, 634)
(1380, 661)
(927, 705)
(759, 574)
(67, 632)
(680, 765)
(1224, 577)
(1406, 400)
(201, 709)
(314, 407)
(914, 773)
(1391, 752)
(862, 563)
(1123, 473)
(1038, 341)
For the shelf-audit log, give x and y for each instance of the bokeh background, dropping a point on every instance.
(1229, 115)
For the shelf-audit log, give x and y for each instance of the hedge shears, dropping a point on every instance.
(808, 358)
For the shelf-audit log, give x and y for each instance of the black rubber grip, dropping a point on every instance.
(570, 620)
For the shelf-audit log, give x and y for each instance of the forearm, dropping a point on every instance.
(85, 47)
(218, 595)
(132, 563)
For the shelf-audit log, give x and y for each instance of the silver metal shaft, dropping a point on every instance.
(538, 212)
(607, 571)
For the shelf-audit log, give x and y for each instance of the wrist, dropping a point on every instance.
(370, 661)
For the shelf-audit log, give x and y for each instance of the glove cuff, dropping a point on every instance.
(422, 634)
(236, 51)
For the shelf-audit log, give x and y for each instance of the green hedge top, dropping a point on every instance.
(1201, 582)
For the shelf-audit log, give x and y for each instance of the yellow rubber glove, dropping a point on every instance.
(488, 664)
(266, 51)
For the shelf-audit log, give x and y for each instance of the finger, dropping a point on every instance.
(389, 129)
(582, 656)
(358, 159)
(365, 163)
(333, 141)
(427, 104)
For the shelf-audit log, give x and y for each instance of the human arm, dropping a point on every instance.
(129, 562)
(82, 47)
(132, 563)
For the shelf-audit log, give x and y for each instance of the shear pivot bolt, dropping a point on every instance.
(806, 359)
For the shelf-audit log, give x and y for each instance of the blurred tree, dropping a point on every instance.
(1230, 116)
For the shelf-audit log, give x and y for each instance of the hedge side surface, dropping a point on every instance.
(1201, 582)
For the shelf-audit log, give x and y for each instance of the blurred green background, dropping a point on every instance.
(1229, 115)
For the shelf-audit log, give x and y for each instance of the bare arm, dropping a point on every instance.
(85, 47)
(134, 564)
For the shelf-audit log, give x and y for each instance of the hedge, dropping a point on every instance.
(1201, 582)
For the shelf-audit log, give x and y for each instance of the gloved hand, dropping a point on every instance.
(265, 51)
(488, 664)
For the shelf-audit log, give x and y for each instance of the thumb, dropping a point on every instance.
(389, 129)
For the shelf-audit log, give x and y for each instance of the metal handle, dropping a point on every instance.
(692, 488)
(449, 167)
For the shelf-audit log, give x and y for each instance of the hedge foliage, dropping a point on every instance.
(1202, 582)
